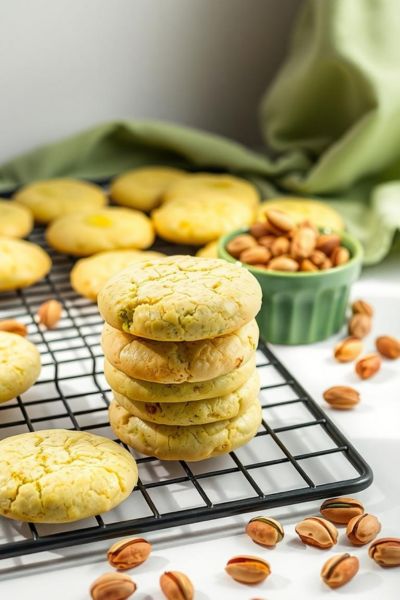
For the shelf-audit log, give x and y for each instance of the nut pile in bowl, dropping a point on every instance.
(279, 244)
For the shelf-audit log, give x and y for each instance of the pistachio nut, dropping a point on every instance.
(49, 313)
(176, 586)
(280, 246)
(308, 266)
(363, 529)
(303, 243)
(266, 240)
(327, 264)
(341, 397)
(368, 365)
(265, 531)
(341, 510)
(326, 243)
(318, 532)
(240, 243)
(255, 255)
(339, 569)
(386, 552)
(362, 307)
(248, 569)
(388, 346)
(115, 586)
(130, 553)
(360, 325)
(259, 230)
(283, 263)
(279, 220)
(340, 256)
(317, 258)
(348, 349)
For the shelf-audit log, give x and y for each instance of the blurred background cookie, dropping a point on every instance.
(83, 234)
(90, 274)
(210, 250)
(143, 188)
(19, 365)
(52, 198)
(21, 263)
(15, 219)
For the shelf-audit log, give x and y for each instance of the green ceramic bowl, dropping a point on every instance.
(301, 308)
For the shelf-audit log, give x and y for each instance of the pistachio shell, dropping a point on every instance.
(265, 531)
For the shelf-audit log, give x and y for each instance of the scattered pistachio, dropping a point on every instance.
(362, 307)
(363, 529)
(341, 510)
(386, 552)
(348, 349)
(265, 531)
(388, 346)
(367, 366)
(13, 326)
(112, 586)
(49, 313)
(248, 569)
(130, 553)
(176, 586)
(360, 325)
(339, 570)
(341, 397)
(315, 531)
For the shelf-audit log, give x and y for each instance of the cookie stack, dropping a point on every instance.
(179, 344)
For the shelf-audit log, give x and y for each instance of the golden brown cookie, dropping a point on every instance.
(21, 263)
(176, 362)
(191, 443)
(19, 365)
(83, 234)
(15, 219)
(143, 188)
(53, 198)
(180, 298)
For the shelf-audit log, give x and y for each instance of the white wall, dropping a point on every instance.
(67, 64)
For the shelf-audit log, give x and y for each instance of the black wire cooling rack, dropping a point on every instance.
(297, 455)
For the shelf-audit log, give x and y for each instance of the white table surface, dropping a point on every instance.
(202, 550)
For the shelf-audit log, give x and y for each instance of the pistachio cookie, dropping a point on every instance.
(83, 234)
(191, 443)
(59, 476)
(180, 298)
(196, 221)
(195, 413)
(21, 263)
(15, 220)
(53, 198)
(19, 365)
(90, 274)
(214, 186)
(147, 391)
(143, 188)
(177, 362)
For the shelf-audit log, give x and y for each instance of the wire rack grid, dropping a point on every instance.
(297, 455)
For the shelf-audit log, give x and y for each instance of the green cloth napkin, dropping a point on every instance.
(332, 118)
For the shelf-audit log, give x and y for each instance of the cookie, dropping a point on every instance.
(192, 443)
(177, 362)
(180, 298)
(146, 391)
(53, 198)
(83, 234)
(210, 250)
(197, 221)
(15, 220)
(302, 209)
(143, 188)
(195, 413)
(90, 274)
(21, 264)
(213, 186)
(19, 365)
(59, 476)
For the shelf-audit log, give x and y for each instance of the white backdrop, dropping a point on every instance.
(68, 64)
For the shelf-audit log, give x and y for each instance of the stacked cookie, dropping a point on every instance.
(179, 344)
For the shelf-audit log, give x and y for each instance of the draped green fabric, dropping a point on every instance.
(331, 117)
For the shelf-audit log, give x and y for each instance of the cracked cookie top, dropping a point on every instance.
(180, 298)
(58, 476)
